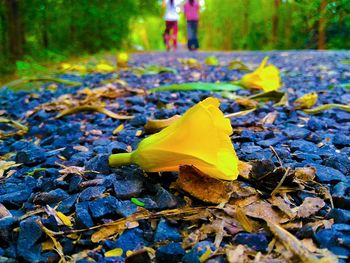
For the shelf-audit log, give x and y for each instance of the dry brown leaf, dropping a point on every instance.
(263, 210)
(57, 245)
(84, 254)
(235, 254)
(81, 148)
(205, 188)
(5, 165)
(4, 212)
(245, 222)
(247, 103)
(269, 118)
(93, 108)
(305, 174)
(108, 231)
(244, 169)
(292, 244)
(309, 244)
(283, 206)
(243, 202)
(310, 206)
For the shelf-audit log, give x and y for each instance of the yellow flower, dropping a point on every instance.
(200, 137)
(306, 101)
(103, 67)
(122, 59)
(263, 78)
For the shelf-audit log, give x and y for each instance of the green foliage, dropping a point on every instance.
(249, 24)
(55, 29)
(199, 86)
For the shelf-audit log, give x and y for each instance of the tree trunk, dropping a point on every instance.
(275, 22)
(15, 29)
(322, 26)
(45, 34)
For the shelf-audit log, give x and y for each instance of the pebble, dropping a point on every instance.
(28, 247)
(197, 251)
(91, 193)
(165, 231)
(126, 189)
(256, 241)
(170, 253)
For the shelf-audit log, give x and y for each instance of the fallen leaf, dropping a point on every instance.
(327, 107)
(5, 165)
(283, 206)
(81, 148)
(310, 206)
(204, 188)
(244, 169)
(198, 86)
(21, 129)
(239, 113)
(292, 244)
(4, 212)
(118, 129)
(211, 61)
(305, 173)
(206, 255)
(236, 255)
(57, 245)
(93, 108)
(244, 220)
(267, 96)
(237, 65)
(247, 103)
(263, 210)
(269, 118)
(306, 101)
(116, 252)
(65, 219)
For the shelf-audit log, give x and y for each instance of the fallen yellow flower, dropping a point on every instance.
(306, 101)
(263, 78)
(103, 67)
(122, 59)
(200, 138)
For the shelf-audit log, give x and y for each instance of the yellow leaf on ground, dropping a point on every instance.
(306, 101)
(65, 219)
(118, 129)
(116, 252)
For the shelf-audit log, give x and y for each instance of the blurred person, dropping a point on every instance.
(191, 9)
(171, 18)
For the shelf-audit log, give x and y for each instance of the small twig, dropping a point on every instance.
(93, 108)
(276, 154)
(281, 182)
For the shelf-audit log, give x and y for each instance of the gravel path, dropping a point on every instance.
(96, 194)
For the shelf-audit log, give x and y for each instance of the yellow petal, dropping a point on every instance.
(104, 68)
(306, 101)
(265, 78)
(122, 59)
(118, 129)
(65, 219)
(116, 252)
(200, 138)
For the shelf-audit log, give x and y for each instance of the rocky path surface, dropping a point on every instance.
(53, 203)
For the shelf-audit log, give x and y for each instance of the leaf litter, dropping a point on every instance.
(263, 199)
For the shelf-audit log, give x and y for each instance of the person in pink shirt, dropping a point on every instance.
(191, 9)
